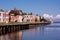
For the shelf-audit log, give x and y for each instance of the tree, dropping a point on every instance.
(24, 13)
(43, 19)
(15, 12)
(36, 14)
(2, 10)
(30, 13)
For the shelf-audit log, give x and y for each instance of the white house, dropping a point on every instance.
(28, 18)
(4, 17)
(20, 19)
(38, 18)
(1, 16)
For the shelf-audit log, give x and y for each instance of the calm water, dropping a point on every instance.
(47, 32)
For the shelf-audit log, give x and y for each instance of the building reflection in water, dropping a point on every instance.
(20, 35)
(12, 36)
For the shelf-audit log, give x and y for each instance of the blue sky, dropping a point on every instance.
(35, 6)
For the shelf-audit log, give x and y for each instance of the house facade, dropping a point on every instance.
(37, 18)
(20, 18)
(1, 16)
(4, 17)
(28, 18)
(16, 16)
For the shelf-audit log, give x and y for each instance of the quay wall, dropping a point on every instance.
(5, 29)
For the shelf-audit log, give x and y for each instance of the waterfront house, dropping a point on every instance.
(37, 19)
(1, 16)
(4, 17)
(13, 18)
(14, 15)
(17, 16)
(28, 18)
(20, 18)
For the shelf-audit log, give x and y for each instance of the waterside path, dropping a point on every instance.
(6, 28)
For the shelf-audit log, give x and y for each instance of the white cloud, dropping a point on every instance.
(57, 17)
(51, 16)
(47, 16)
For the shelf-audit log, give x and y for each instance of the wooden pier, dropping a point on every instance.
(9, 28)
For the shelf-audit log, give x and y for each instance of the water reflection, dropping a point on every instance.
(12, 36)
(49, 32)
(18, 35)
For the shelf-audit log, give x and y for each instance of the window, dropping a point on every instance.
(0, 14)
(0, 19)
(4, 15)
